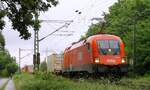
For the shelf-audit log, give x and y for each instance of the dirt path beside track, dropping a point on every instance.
(3, 81)
(10, 85)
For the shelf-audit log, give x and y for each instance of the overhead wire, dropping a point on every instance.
(88, 10)
(57, 21)
(73, 18)
(65, 25)
(79, 20)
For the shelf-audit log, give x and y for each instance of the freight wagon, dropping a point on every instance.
(55, 63)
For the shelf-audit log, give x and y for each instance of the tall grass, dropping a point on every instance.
(48, 81)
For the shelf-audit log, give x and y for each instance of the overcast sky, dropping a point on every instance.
(65, 10)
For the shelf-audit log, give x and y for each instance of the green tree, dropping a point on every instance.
(125, 17)
(22, 13)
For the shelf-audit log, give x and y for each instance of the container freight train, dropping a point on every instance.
(97, 54)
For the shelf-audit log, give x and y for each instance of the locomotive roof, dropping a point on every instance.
(99, 36)
(103, 36)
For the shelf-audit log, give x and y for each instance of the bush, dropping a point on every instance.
(7, 64)
(4, 73)
(11, 68)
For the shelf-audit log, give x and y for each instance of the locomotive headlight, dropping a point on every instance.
(123, 60)
(97, 60)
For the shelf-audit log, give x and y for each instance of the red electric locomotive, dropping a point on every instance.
(97, 54)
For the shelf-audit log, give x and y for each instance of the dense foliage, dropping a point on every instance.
(22, 14)
(132, 16)
(125, 17)
(8, 65)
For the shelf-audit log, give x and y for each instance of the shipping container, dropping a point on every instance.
(55, 63)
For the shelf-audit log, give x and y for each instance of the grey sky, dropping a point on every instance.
(64, 11)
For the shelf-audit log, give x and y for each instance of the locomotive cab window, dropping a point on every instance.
(88, 46)
(106, 47)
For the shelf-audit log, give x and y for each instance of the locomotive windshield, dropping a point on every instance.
(108, 47)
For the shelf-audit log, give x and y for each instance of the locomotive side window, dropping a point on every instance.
(108, 47)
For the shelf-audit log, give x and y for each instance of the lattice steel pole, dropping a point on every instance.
(36, 56)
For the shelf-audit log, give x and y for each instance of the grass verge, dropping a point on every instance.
(48, 81)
